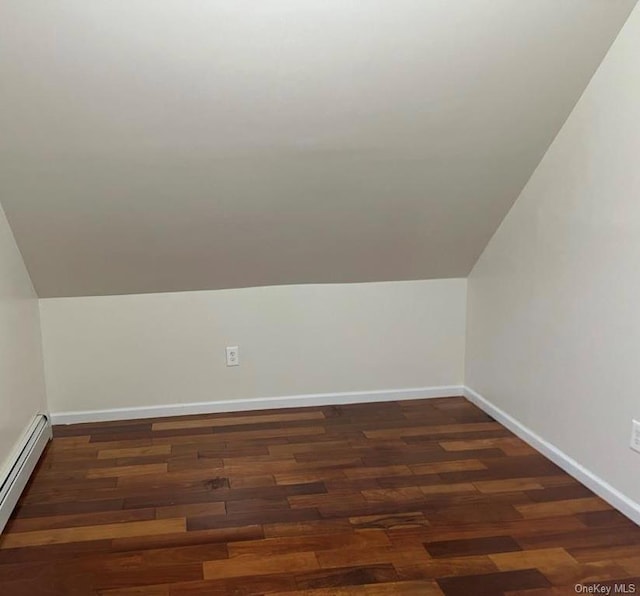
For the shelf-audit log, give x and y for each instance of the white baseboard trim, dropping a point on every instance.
(21, 465)
(603, 489)
(261, 403)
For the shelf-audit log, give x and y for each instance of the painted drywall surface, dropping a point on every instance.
(244, 143)
(22, 389)
(554, 301)
(157, 349)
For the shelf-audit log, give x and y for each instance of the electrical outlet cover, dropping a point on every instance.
(233, 356)
(635, 436)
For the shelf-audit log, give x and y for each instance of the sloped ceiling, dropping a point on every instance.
(161, 145)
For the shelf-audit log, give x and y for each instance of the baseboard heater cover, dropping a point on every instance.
(12, 484)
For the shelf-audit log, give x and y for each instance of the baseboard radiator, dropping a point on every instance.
(24, 462)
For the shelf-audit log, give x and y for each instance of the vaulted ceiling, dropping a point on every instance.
(162, 145)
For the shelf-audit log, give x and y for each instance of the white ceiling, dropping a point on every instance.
(160, 145)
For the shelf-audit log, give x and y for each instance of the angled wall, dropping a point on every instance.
(554, 301)
(186, 145)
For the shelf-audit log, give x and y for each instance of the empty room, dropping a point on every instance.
(319, 297)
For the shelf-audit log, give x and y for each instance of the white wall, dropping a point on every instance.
(157, 349)
(22, 391)
(554, 301)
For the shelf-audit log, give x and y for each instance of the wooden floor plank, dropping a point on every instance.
(564, 507)
(249, 565)
(87, 533)
(236, 420)
(30, 524)
(122, 471)
(411, 588)
(134, 451)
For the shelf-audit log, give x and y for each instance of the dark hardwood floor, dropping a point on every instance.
(418, 497)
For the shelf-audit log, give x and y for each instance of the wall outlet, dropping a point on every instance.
(635, 436)
(233, 356)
